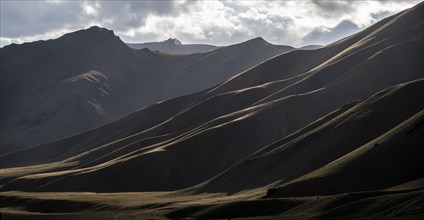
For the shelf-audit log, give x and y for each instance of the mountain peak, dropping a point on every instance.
(95, 33)
(258, 40)
(173, 41)
(98, 30)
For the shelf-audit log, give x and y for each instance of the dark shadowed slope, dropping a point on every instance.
(173, 46)
(230, 121)
(389, 165)
(90, 77)
(333, 138)
(388, 160)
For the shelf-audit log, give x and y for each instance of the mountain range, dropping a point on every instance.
(88, 78)
(252, 130)
(174, 46)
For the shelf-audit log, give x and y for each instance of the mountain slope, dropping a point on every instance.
(90, 77)
(335, 136)
(228, 121)
(392, 159)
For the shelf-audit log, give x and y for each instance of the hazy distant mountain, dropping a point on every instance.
(310, 47)
(334, 132)
(173, 46)
(90, 77)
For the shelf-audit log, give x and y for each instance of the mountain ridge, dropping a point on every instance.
(36, 98)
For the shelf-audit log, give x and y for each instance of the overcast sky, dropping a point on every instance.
(293, 23)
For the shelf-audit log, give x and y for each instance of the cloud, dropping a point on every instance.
(323, 35)
(333, 8)
(216, 22)
(29, 18)
(380, 15)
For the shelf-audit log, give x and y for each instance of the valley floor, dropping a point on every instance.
(390, 204)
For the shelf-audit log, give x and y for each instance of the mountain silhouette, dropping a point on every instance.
(88, 78)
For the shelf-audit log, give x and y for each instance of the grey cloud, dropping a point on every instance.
(147, 37)
(30, 18)
(275, 28)
(284, 20)
(328, 5)
(158, 7)
(122, 15)
(237, 7)
(380, 15)
(323, 36)
(333, 8)
(214, 34)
